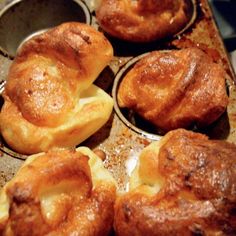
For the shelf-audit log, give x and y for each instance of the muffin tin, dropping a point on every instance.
(128, 117)
(138, 124)
(120, 139)
(22, 19)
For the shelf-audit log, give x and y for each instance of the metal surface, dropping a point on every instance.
(22, 18)
(121, 143)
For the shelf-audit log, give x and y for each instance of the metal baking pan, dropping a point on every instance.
(120, 141)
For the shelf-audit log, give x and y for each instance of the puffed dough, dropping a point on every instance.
(49, 99)
(175, 89)
(182, 185)
(143, 20)
(61, 192)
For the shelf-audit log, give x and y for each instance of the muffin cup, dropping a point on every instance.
(130, 23)
(22, 19)
(192, 19)
(126, 115)
(219, 129)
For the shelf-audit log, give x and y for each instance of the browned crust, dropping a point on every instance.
(51, 70)
(198, 194)
(144, 20)
(175, 89)
(86, 209)
(44, 87)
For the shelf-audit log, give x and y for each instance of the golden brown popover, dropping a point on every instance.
(143, 20)
(184, 184)
(61, 192)
(175, 89)
(49, 98)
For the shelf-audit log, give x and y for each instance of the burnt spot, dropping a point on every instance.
(233, 212)
(19, 194)
(127, 212)
(30, 92)
(187, 182)
(85, 38)
(170, 157)
(197, 230)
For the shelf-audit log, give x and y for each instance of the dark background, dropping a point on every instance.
(225, 15)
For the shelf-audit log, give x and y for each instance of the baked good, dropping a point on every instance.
(182, 185)
(49, 98)
(143, 20)
(61, 192)
(175, 89)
